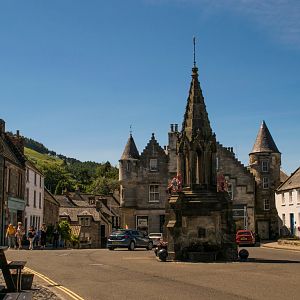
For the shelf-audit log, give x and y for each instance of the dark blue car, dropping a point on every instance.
(127, 238)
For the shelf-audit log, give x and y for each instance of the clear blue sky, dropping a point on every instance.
(75, 74)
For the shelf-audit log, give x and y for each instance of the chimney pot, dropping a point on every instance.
(172, 127)
(176, 127)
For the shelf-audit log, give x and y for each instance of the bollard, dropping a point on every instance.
(162, 254)
(243, 254)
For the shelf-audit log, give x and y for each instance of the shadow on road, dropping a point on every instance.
(272, 261)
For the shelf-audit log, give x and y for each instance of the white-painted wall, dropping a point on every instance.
(287, 206)
(34, 184)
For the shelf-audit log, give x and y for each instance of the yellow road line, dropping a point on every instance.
(56, 285)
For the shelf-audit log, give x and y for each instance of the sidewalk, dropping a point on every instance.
(275, 245)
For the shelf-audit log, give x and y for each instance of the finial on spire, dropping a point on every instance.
(130, 130)
(194, 42)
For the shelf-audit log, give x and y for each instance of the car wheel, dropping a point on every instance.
(111, 248)
(150, 246)
(131, 246)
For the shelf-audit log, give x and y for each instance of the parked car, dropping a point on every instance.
(245, 237)
(155, 238)
(129, 238)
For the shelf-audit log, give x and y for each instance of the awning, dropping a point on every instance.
(171, 223)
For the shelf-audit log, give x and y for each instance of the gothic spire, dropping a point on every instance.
(196, 117)
(264, 141)
(130, 151)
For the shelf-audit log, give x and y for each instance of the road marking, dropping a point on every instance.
(96, 264)
(56, 285)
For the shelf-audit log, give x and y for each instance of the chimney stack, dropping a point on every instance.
(2, 126)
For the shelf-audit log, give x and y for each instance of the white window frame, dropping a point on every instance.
(266, 204)
(282, 199)
(290, 197)
(265, 166)
(154, 194)
(265, 182)
(153, 164)
(298, 197)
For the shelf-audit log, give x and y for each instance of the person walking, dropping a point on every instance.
(11, 236)
(19, 234)
(55, 236)
(31, 235)
(43, 235)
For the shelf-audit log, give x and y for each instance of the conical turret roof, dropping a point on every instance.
(264, 141)
(196, 117)
(130, 150)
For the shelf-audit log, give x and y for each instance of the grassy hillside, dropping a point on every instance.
(62, 173)
(40, 159)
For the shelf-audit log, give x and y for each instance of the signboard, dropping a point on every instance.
(142, 221)
(16, 204)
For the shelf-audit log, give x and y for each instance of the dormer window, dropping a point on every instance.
(153, 164)
(265, 166)
(85, 221)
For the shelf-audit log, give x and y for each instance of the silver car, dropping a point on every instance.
(155, 238)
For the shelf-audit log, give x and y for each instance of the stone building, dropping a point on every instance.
(143, 185)
(264, 164)
(92, 217)
(251, 188)
(12, 179)
(240, 186)
(50, 209)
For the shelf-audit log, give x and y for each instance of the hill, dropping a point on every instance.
(63, 172)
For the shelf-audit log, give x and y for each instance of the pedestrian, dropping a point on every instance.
(11, 236)
(31, 235)
(37, 238)
(55, 236)
(19, 234)
(43, 235)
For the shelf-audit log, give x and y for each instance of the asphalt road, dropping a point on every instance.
(101, 274)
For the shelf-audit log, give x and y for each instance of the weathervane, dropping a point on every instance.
(194, 42)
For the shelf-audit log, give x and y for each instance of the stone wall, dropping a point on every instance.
(242, 183)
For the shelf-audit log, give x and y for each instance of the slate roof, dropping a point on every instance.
(283, 176)
(50, 198)
(74, 212)
(130, 151)
(293, 182)
(264, 141)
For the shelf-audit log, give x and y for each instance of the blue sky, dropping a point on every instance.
(75, 75)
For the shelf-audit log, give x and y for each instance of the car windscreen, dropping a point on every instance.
(120, 232)
(244, 233)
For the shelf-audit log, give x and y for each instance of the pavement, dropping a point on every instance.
(275, 245)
